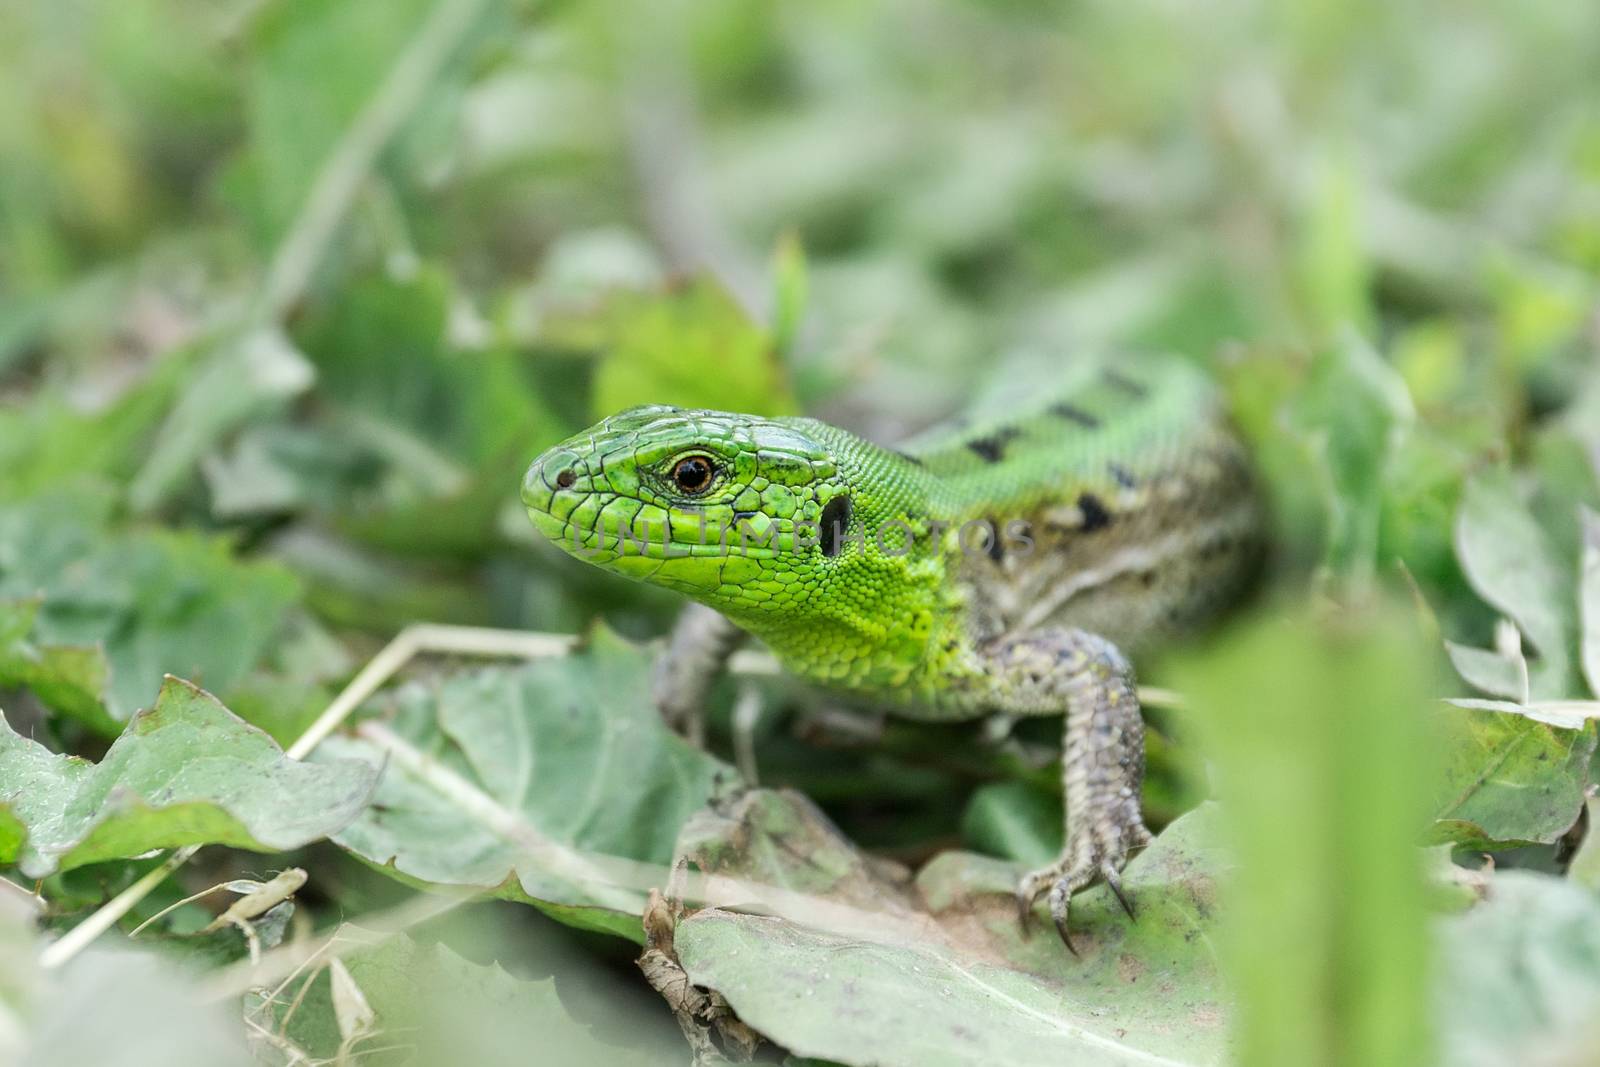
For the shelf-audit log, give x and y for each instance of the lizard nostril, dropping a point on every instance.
(566, 478)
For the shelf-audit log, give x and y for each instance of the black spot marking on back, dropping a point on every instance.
(1121, 475)
(992, 449)
(1075, 414)
(915, 461)
(1118, 380)
(1095, 515)
(996, 550)
(835, 520)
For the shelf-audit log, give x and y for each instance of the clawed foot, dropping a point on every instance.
(1095, 858)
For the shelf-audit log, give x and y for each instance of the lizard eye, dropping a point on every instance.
(692, 474)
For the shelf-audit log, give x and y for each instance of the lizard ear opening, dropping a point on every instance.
(835, 520)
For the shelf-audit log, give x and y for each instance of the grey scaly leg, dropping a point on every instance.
(1102, 763)
(696, 653)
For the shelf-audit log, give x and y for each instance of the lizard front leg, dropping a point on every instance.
(1102, 763)
(696, 653)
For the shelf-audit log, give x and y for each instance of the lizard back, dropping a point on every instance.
(1139, 509)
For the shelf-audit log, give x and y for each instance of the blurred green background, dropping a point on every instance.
(292, 290)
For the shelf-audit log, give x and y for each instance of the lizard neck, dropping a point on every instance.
(863, 615)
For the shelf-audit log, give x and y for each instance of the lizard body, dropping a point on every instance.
(997, 565)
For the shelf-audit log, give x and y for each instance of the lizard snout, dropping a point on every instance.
(557, 469)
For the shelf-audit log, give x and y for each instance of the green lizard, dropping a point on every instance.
(1001, 566)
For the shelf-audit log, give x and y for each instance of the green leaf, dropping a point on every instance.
(868, 970)
(437, 450)
(1563, 481)
(278, 468)
(49, 442)
(1352, 413)
(1589, 600)
(187, 771)
(693, 347)
(531, 776)
(1512, 565)
(1507, 778)
(72, 679)
(334, 85)
(99, 1007)
(1315, 727)
(1422, 494)
(312, 67)
(90, 619)
(102, 1009)
(429, 1005)
(239, 378)
(468, 404)
(1491, 672)
(1520, 971)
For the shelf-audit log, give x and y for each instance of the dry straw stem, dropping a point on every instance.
(421, 639)
(613, 881)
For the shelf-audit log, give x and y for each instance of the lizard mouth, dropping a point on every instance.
(600, 525)
(605, 539)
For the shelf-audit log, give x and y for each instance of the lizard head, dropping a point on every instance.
(740, 512)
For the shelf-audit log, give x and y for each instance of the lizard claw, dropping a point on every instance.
(1025, 912)
(1060, 902)
(1061, 883)
(1066, 938)
(1082, 865)
(1113, 881)
(1028, 890)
